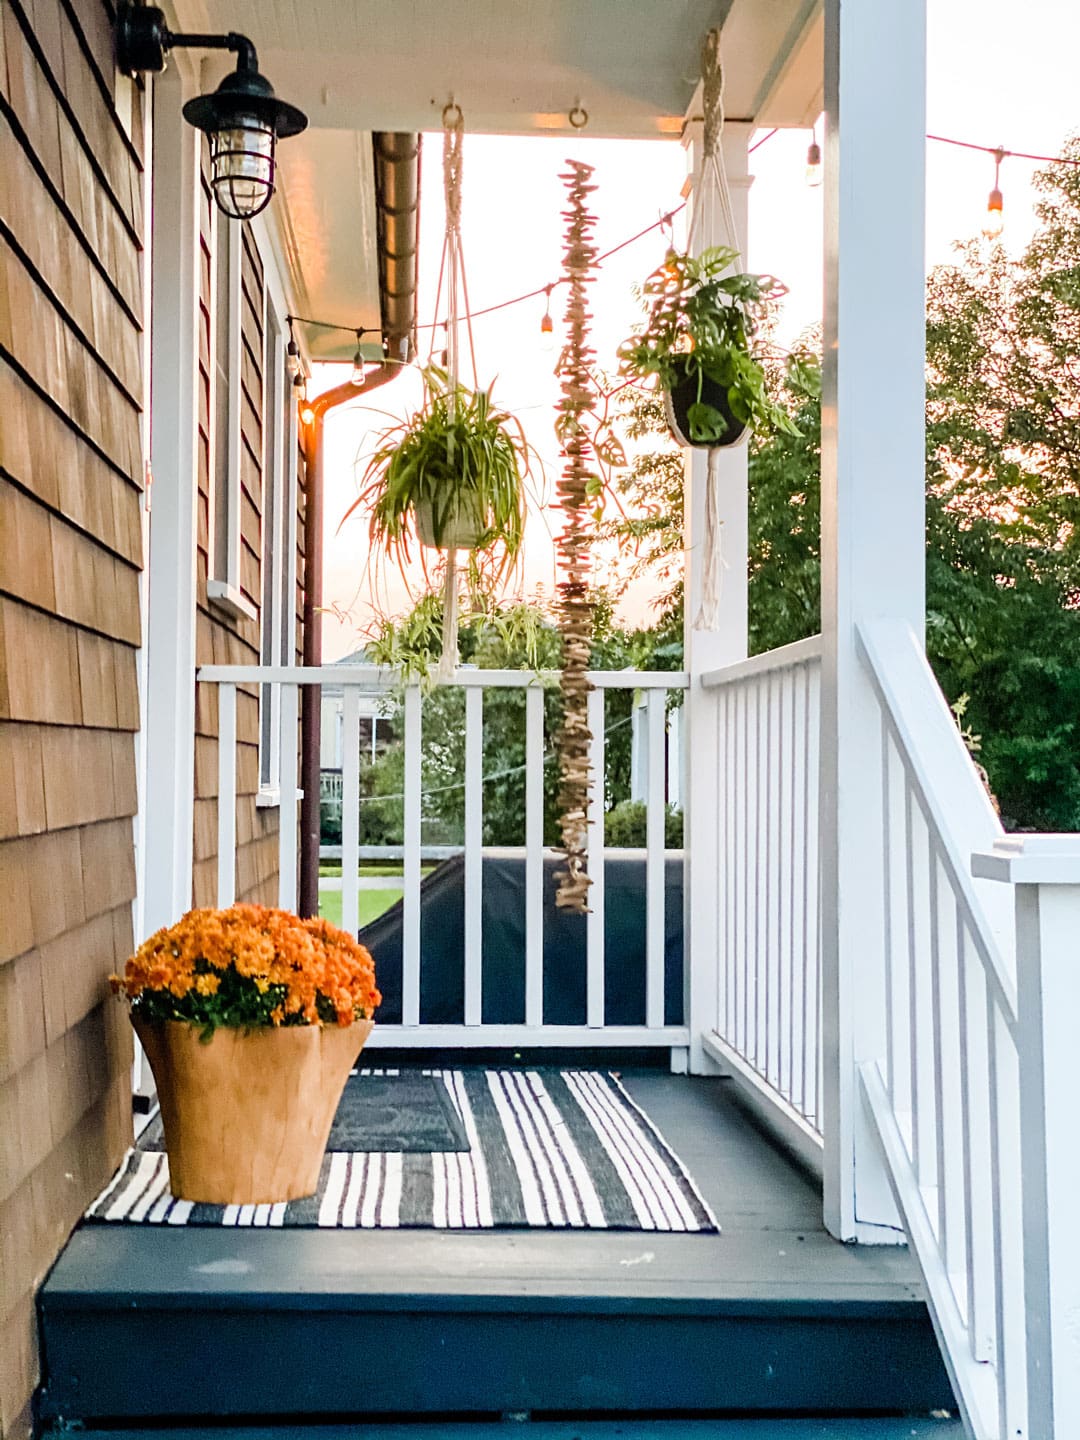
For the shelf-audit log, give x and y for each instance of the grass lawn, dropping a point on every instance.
(332, 868)
(372, 904)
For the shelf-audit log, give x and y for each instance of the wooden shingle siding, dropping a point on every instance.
(221, 638)
(71, 472)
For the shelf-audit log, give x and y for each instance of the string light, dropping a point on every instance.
(358, 373)
(292, 351)
(547, 325)
(995, 219)
(813, 161)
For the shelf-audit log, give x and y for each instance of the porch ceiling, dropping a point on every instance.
(516, 68)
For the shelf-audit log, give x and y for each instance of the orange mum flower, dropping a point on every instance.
(248, 965)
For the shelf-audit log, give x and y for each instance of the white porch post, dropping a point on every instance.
(709, 650)
(872, 534)
(170, 703)
(1045, 870)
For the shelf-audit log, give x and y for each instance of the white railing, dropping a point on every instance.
(358, 680)
(769, 985)
(947, 1099)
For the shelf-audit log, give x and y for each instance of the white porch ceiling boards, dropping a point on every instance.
(515, 66)
(518, 66)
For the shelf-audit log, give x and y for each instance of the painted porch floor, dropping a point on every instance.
(770, 1316)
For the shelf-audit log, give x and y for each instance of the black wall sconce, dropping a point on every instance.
(243, 118)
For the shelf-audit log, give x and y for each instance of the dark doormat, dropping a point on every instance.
(384, 1112)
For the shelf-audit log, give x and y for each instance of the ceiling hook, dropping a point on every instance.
(578, 116)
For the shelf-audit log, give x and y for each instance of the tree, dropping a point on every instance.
(493, 637)
(1002, 501)
(1002, 488)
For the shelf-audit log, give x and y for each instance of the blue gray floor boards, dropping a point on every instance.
(546, 1149)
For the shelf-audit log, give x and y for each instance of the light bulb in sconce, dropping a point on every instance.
(547, 325)
(814, 172)
(358, 373)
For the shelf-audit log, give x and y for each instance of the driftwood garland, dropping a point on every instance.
(575, 607)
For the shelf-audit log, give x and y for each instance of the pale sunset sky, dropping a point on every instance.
(997, 74)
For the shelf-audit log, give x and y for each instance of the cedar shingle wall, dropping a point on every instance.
(70, 552)
(223, 639)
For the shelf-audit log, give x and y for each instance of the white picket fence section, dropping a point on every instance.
(959, 1101)
(769, 989)
(359, 680)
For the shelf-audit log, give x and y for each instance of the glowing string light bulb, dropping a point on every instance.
(547, 325)
(814, 170)
(307, 413)
(995, 218)
(358, 373)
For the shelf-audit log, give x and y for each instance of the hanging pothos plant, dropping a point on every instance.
(702, 341)
(454, 474)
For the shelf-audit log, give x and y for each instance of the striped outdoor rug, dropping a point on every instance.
(564, 1149)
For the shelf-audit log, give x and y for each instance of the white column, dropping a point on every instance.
(708, 650)
(1045, 870)
(170, 640)
(872, 534)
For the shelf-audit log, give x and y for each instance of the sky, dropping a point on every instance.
(995, 76)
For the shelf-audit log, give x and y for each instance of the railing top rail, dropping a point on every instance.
(380, 679)
(784, 658)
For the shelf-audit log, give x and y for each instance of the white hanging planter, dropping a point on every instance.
(463, 527)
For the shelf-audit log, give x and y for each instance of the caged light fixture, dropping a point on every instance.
(242, 118)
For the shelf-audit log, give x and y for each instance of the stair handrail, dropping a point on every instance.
(951, 790)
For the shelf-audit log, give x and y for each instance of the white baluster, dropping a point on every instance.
(410, 942)
(287, 818)
(226, 801)
(474, 854)
(534, 855)
(350, 811)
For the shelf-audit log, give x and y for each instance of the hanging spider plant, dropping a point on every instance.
(454, 474)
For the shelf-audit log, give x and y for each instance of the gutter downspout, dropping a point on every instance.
(397, 208)
(311, 713)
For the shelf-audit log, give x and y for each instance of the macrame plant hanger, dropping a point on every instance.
(574, 541)
(713, 189)
(452, 276)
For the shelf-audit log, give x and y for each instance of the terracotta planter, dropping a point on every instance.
(462, 530)
(247, 1114)
(680, 397)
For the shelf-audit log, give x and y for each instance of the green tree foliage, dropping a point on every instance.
(493, 637)
(1002, 500)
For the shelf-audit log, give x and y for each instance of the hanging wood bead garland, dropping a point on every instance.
(574, 606)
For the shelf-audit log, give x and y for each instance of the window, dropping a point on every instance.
(223, 581)
(278, 628)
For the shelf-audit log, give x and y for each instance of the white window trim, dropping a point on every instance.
(223, 581)
(280, 422)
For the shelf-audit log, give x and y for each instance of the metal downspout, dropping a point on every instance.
(397, 191)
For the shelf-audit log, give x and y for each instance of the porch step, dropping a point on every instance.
(890, 1428)
(297, 1328)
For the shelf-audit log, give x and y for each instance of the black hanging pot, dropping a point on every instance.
(683, 394)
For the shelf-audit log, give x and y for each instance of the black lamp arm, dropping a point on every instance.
(143, 39)
(240, 45)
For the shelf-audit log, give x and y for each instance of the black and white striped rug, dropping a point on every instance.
(565, 1148)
